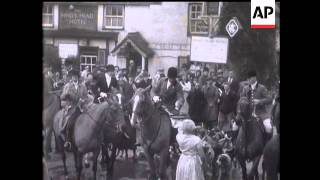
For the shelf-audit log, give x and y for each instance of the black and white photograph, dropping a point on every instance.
(160, 91)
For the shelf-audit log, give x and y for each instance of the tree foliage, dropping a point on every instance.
(249, 48)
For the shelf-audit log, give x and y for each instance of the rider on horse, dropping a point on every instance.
(169, 91)
(74, 100)
(259, 100)
(108, 83)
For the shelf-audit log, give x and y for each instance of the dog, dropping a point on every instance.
(225, 166)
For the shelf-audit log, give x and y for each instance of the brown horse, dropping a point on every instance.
(50, 108)
(155, 130)
(271, 154)
(250, 141)
(87, 134)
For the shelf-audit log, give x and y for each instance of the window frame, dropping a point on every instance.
(190, 19)
(105, 16)
(48, 14)
(88, 64)
(220, 4)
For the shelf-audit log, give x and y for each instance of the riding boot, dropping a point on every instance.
(267, 137)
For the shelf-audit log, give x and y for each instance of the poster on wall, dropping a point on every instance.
(68, 50)
(209, 50)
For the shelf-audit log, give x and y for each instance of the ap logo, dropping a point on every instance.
(263, 14)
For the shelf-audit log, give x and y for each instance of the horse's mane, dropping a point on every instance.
(243, 105)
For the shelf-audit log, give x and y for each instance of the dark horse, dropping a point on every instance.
(250, 140)
(87, 134)
(50, 107)
(271, 154)
(155, 130)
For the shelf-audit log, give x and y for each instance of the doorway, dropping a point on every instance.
(134, 55)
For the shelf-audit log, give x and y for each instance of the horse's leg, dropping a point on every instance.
(78, 157)
(263, 171)
(164, 157)
(95, 162)
(59, 144)
(243, 168)
(112, 160)
(126, 151)
(103, 155)
(152, 165)
(63, 154)
(48, 138)
(254, 174)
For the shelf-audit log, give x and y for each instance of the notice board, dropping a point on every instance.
(209, 50)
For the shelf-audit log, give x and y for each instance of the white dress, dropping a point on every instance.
(189, 164)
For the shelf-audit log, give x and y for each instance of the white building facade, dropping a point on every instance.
(153, 34)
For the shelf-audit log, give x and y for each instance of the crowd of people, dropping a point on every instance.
(208, 97)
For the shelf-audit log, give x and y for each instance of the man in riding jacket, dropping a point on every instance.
(74, 99)
(259, 100)
(169, 92)
(107, 83)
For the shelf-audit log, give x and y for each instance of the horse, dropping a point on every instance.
(250, 140)
(271, 154)
(119, 139)
(87, 131)
(155, 130)
(51, 107)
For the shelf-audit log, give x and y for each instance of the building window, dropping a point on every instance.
(88, 60)
(196, 24)
(113, 16)
(47, 15)
(213, 8)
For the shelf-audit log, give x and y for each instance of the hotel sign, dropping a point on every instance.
(78, 17)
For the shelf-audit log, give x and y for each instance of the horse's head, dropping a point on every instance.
(140, 101)
(243, 110)
(115, 112)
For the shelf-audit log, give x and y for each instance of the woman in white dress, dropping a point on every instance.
(189, 166)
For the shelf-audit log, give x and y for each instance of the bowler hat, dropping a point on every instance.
(109, 68)
(75, 72)
(172, 72)
(252, 73)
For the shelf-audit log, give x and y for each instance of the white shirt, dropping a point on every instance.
(108, 79)
(230, 79)
(168, 84)
(76, 85)
(253, 86)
